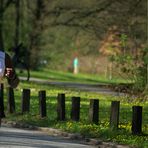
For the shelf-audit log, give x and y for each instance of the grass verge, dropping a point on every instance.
(102, 130)
(51, 75)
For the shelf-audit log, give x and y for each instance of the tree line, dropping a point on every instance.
(53, 27)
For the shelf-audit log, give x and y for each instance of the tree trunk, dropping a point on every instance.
(4, 4)
(17, 21)
(35, 34)
(1, 26)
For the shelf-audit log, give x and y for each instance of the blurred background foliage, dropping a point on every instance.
(56, 31)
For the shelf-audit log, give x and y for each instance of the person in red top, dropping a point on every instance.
(7, 70)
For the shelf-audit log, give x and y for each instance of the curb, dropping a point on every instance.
(72, 136)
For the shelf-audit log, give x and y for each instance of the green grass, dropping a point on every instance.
(102, 131)
(70, 77)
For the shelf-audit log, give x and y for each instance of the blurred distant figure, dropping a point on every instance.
(75, 65)
(21, 58)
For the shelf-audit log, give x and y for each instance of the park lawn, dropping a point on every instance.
(52, 75)
(101, 131)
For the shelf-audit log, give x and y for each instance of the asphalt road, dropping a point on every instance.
(98, 88)
(19, 138)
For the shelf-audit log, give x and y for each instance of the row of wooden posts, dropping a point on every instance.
(75, 109)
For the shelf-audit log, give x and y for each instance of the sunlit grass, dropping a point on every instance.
(51, 75)
(102, 130)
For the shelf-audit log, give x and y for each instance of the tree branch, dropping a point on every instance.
(8, 3)
(78, 13)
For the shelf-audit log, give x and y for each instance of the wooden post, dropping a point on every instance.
(25, 100)
(75, 110)
(94, 111)
(137, 120)
(2, 90)
(114, 116)
(61, 107)
(2, 100)
(11, 101)
(42, 103)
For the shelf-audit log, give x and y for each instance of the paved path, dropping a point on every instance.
(18, 138)
(98, 88)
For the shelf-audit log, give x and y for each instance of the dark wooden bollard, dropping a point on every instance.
(2, 100)
(94, 111)
(25, 106)
(61, 107)
(75, 110)
(11, 101)
(2, 90)
(137, 120)
(42, 103)
(114, 116)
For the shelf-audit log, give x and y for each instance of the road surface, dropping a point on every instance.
(19, 138)
(98, 88)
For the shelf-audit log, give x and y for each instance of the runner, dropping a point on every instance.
(6, 70)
